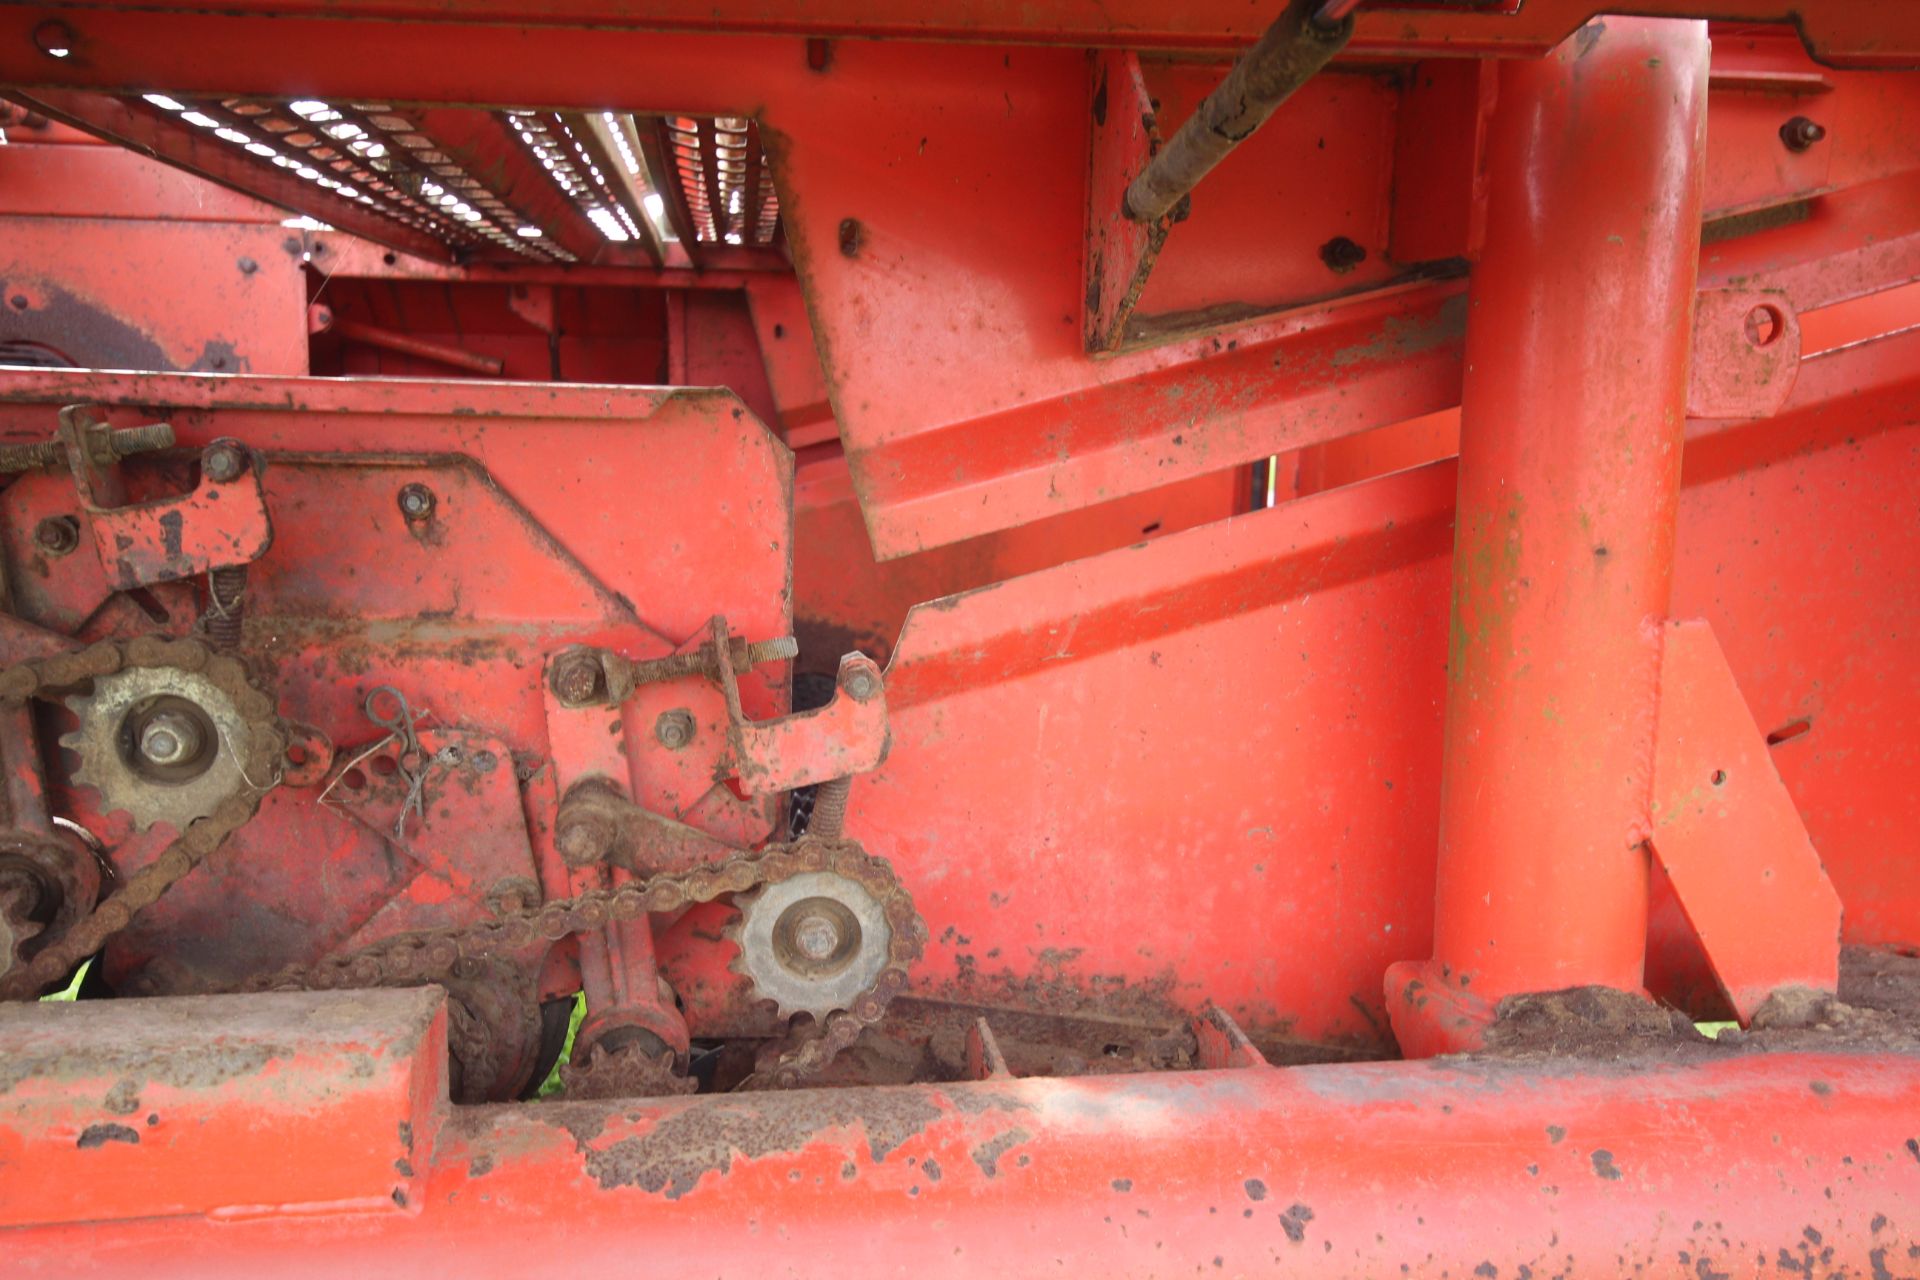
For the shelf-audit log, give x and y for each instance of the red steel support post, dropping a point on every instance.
(1573, 403)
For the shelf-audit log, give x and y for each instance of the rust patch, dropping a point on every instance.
(987, 1154)
(686, 1145)
(99, 1135)
(124, 1098)
(1294, 1222)
(208, 1069)
(1603, 1165)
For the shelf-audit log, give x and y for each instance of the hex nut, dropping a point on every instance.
(578, 678)
(674, 729)
(223, 461)
(57, 535)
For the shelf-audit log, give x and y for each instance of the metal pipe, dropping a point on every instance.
(1288, 54)
(408, 345)
(1469, 1167)
(1573, 403)
(321, 319)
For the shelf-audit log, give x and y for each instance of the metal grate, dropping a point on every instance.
(570, 149)
(605, 188)
(374, 156)
(722, 174)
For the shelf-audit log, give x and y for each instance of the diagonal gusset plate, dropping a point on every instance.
(1724, 827)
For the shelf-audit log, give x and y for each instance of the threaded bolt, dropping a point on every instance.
(126, 441)
(111, 446)
(777, 650)
(226, 597)
(29, 457)
(830, 809)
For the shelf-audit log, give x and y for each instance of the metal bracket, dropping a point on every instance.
(596, 823)
(845, 737)
(1746, 353)
(221, 524)
(1729, 836)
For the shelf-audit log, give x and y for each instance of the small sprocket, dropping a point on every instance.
(812, 943)
(162, 743)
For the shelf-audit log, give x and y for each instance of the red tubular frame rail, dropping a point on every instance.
(1465, 1167)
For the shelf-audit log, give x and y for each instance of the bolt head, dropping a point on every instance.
(578, 678)
(585, 839)
(1800, 133)
(816, 937)
(57, 535)
(170, 740)
(861, 685)
(222, 462)
(416, 501)
(674, 729)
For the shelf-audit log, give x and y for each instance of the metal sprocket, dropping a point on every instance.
(812, 943)
(109, 751)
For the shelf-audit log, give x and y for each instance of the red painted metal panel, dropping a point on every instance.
(108, 182)
(213, 297)
(1312, 639)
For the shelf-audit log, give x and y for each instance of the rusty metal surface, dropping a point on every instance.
(256, 746)
(1296, 47)
(1337, 1169)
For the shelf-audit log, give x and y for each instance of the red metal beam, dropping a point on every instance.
(1885, 34)
(1798, 1158)
(349, 256)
